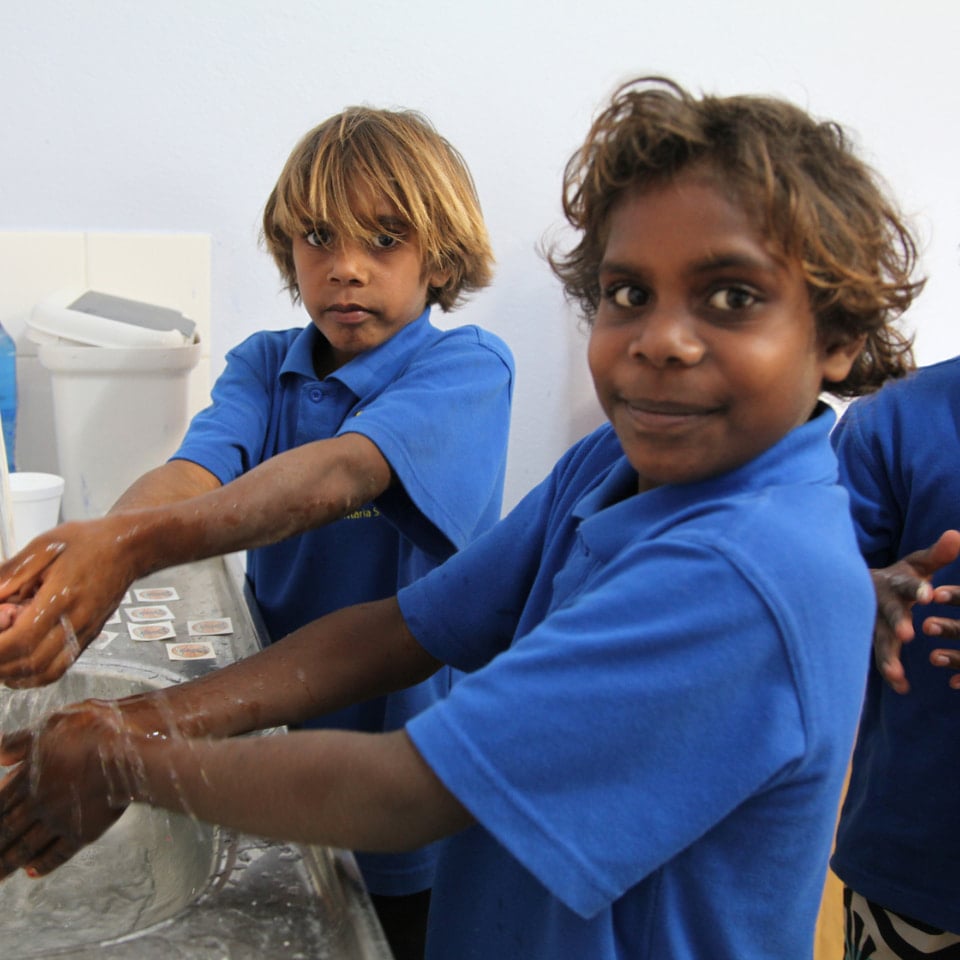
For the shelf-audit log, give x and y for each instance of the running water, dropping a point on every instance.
(147, 867)
(70, 638)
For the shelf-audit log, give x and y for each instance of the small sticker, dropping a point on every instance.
(127, 598)
(156, 594)
(151, 631)
(142, 614)
(212, 627)
(104, 640)
(195, 650)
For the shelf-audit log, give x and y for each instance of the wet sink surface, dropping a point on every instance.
(147, 867)
(160, 886)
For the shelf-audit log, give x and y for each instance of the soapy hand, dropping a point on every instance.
(65, 787)
(899, 587)
(55, 596)
(8, 613)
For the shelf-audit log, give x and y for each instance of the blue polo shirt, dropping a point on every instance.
(656, 727)
(896, 844)
(437, 405)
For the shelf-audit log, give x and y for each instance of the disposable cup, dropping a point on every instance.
(35, 504)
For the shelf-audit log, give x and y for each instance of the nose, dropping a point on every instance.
(666, 336)
(347, 264)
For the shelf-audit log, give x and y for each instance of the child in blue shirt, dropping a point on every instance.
(348, 457)
(664, 641)
(900, 866)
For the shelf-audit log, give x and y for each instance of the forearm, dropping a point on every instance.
(335, 788)
(346, 657)
(73, 577)
(173, 481)
(286, 495)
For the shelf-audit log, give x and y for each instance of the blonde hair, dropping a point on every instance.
(365, 153)
(798, 177)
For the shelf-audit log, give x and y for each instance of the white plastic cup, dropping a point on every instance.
(35, 504)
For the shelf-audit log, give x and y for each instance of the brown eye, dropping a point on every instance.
(732, 298)
(319, 237)
(629, 296)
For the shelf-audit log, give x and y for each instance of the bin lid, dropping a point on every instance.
(103, 320)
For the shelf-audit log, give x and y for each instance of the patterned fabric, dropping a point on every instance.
(873, 933)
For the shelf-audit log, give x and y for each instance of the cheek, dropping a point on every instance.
(601, 351)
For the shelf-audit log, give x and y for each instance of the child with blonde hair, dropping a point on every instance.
(348, 457)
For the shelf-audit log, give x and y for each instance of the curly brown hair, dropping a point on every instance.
(814, 199)
(365, 152)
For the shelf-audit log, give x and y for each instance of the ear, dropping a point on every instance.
(839, 358)
(439, 279)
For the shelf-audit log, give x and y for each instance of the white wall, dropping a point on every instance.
(177, 115)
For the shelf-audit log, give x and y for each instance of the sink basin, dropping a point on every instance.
(146, 868)
(159, 886)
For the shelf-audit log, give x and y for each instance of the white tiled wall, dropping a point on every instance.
(169, 270)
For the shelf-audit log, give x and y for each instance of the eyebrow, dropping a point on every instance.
(393, 223)
(709, 264)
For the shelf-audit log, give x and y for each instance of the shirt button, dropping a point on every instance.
(316, 394)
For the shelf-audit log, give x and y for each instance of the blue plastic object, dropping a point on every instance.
(8, 393)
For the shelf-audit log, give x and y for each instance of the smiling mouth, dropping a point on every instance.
(664, 415)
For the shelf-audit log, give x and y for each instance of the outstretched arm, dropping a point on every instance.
(68, 580)
(78, 771)
(899, 587)
(72, 578)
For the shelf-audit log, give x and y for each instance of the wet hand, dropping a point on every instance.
(65, 584)
(63, 790)
(899, 587)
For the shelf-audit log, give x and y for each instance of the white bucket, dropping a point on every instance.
(35, 500)
(118, 412)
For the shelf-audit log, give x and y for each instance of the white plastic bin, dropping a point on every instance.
(118, 412)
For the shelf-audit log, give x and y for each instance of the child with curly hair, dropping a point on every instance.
(664, 641)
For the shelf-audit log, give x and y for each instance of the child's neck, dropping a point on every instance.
(324, 360)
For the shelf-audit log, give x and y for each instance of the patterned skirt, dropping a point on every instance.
(874, 933)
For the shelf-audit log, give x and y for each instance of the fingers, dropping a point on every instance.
(897, 590)
(33, 664)
(947, 595)
(22, 838)
(886, 654)
(893, 673)
(950, 659)
(52, 856)
(14, 748)
(944, 551)
(8, 613)
(19, 576)
(25, 850)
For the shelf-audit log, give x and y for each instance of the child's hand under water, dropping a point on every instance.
(63, 791)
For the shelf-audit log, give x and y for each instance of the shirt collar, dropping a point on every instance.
(806, 448)
(367, 369)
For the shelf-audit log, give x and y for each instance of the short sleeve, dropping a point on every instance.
(443, 426)
(645, 708)
(227, 438)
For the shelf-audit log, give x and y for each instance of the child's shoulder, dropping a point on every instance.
(267, 342)
(910, 404)
(471, 337)
(940, 379)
